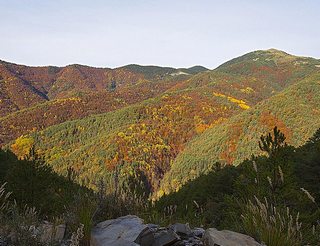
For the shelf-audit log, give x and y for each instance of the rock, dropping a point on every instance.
(122, 231)
(3, 242)
(59, 233)
(182, 230)
(165, 237)
(213, 237)
(50, 233)
(146, 237)
(190, 242)
(152, 226)
(198, 232)
(130, 231)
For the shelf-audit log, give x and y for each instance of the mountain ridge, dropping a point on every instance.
(158, 126)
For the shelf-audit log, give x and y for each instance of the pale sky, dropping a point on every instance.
(178, 33)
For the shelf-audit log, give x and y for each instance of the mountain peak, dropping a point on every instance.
(273, 50)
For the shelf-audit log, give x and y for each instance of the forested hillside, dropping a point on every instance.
(33, 98)
(187, 124)
(296, 111)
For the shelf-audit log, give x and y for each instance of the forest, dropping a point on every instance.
(265, 196)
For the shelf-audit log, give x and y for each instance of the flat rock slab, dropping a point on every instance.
(165, 238)
(181, 229)
(213, 237)
(122, 231)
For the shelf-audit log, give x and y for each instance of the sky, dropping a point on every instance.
(177, 33)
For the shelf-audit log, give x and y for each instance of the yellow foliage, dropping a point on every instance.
(219, 94)
(165, 96)
(200, 125)
(201, 128)
(121, 134)
(242, 104)
(247, 90)
(22, 146)
(186, 97)
(63, 100)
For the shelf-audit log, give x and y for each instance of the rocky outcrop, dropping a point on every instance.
(130, 231)
(213, 237)
(122, 231)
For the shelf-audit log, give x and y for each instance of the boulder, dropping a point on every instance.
(51, 233)
(213, 237)
(146, 237)
(130, 231)
(122, 231)
(181, 229)
(165, 237)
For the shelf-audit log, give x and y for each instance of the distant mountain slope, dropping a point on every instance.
(153, 120)
(33, 98)
(57, 111)
(295, 110)
(22, 86)
(149, 134)
(15, 92)
(256, 75)
(194, 69)
(158, 73)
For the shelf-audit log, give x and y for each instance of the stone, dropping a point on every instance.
(50, 233)
(146, 237)
(130, 231)
(122, 231)
(198, 232)
(165, 237)
(3, 242)
(59, 233)
(152, 226)
(181, 229)
(190, 242)
(213, 237)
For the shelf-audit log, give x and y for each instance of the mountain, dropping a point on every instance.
(175, 133)
(33, 98)
(23, 86)
(156, 72)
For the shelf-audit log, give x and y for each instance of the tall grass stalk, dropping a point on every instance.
(272, 226)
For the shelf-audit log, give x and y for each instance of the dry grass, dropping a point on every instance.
(4, 196)
(272, 226)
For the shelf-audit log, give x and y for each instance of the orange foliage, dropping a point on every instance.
(235, 132)
(270, 121)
